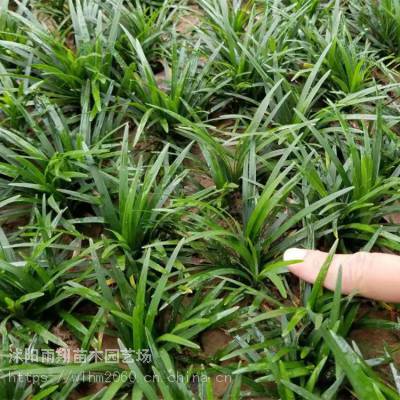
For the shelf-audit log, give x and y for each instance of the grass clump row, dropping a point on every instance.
(156, 160)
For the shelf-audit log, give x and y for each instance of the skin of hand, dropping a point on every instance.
(372, 275)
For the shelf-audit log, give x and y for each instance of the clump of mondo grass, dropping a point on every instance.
(151, 181)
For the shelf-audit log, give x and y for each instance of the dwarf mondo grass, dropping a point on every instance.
(151, 180)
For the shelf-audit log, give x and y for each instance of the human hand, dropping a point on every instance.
(372, 275)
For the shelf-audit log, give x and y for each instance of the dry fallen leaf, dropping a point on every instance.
(188, 22)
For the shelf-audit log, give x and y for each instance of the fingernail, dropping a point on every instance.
(294, 254)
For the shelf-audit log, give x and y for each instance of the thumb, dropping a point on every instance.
(372, 275)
